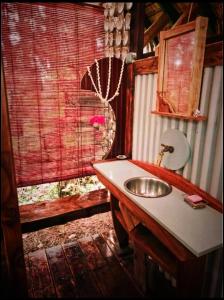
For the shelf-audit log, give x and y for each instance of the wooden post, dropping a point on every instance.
(137, 29)
(198, 59)
(140, 268)
(190, 278)
(14, 283)
(122, 235)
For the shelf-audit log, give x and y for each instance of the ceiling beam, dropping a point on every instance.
(170, 10)
(206, 11)
(181, 6)
(181, 20)
(155, 28)
(147, 22)
(185, 16)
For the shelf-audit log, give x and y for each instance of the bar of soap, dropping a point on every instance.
(194, 198)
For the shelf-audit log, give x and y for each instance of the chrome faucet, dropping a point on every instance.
(166, 148)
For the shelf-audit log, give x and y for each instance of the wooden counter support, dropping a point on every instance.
(187, 273)
(119, 228)
(155, 241)
(190, 277)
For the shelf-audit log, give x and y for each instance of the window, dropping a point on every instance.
(46, 48)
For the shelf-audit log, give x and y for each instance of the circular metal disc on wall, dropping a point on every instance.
(179, 157)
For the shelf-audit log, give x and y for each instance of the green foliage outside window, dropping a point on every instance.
(52, 191)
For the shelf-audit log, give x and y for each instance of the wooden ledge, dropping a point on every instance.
(182, 117)
(49, 213)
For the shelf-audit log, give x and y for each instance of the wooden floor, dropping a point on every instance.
(90, 267)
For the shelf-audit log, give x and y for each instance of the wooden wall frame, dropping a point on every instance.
(14, 281)
(196, 32)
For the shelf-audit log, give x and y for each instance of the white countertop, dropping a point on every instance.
(199, 230)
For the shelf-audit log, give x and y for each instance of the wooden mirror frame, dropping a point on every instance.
(199, 26)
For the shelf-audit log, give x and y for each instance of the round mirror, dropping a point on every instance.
(179, 157)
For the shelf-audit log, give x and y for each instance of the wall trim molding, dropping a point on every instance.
(149, 65)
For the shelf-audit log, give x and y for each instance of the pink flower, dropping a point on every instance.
(97, 120)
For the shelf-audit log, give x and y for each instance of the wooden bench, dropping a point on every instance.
(55, 212)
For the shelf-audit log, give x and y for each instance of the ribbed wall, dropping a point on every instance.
(204, 167)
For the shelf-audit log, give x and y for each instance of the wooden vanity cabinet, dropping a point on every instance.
(187, 272)
(154, 241)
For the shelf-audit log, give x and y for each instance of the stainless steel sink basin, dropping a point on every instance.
(147, 187)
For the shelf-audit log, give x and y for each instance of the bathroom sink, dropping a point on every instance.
(147, 187)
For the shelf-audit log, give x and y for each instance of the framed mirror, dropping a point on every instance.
(180, 66)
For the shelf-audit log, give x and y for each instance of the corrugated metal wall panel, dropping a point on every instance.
(211, 131)
(216, 178)
(148, 95)
(204, 167)
(201, 127)
(136, 116)
(152, 123)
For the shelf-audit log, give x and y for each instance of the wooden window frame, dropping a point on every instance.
(200, 28)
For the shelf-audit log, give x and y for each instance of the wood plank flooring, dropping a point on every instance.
(90, 268)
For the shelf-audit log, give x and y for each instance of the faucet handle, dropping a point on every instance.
(167, 148)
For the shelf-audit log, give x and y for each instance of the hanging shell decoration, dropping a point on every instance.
(117, 28)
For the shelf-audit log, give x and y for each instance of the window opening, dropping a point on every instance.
(54, 190)
(46, 49)
(57, 129)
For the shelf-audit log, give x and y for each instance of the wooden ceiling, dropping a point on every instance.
(164, 15)
(160, 16)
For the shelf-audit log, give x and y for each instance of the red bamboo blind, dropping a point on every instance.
(46, 48)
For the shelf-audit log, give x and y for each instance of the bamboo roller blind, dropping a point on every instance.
(46, 48)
